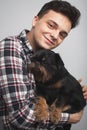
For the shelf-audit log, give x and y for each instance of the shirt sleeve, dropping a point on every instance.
(64, 118)
(17, 89)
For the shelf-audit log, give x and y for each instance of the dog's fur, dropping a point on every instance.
(56, 89)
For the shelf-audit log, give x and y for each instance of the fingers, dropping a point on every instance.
(84, 89)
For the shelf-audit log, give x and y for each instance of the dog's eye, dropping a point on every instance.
(43, 59)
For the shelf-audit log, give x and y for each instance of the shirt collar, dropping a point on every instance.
(23, 37)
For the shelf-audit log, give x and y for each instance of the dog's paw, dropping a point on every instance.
(41, 109)
(55, 114)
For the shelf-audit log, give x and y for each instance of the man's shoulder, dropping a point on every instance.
(16, 38)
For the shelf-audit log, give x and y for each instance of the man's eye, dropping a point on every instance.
(50, 25)
(63, 35)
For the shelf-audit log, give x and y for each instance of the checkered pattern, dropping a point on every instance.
(17, 86)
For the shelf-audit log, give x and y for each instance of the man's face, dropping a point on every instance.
(50, 30)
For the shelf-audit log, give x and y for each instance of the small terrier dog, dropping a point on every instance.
(56, 89)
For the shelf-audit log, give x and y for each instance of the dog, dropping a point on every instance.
(56, 89)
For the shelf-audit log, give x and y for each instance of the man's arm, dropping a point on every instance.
(75, 118)
(70, 118)
(17, 90)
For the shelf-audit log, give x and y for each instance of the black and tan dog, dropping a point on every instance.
(56, 89)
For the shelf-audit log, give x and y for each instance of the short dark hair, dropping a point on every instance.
(62, 7)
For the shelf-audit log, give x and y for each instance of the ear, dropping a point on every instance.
(35, 19)
(59, 59)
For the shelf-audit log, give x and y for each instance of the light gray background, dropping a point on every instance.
(16, 15)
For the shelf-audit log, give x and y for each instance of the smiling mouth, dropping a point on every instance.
(48, 41)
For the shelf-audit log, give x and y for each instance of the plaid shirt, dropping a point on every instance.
(17, 86)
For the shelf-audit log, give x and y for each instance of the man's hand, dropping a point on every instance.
(84, 89)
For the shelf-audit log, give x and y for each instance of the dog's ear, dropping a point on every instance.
(61, 70)
(59, 60)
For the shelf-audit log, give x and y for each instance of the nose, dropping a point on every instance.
(54, 35)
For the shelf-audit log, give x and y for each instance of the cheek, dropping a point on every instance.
(38, 31)
(42, 28)
(59, 42)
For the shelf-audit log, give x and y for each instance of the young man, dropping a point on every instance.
(49, 28)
